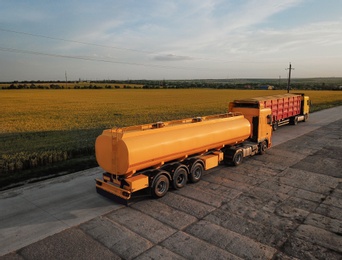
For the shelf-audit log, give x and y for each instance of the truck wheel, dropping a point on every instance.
(294, 120)
(306, 117)
(262, 147)
(237, 159)
(160, 186)
(275, 126)
(196, 172)
(179, 179)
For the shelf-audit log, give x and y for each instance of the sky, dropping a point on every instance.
(174, 39)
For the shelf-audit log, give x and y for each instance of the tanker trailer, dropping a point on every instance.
(154, 156)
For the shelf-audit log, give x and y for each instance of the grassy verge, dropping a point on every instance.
(30, 156)
(318, 107)
(19, 178)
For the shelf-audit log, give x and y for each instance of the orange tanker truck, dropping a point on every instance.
(286, 108)
(153, 157)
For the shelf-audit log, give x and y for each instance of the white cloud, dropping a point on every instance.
(217, 35)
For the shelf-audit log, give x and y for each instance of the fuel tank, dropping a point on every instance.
(123, 151)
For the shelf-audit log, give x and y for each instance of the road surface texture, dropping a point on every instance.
(286, 204)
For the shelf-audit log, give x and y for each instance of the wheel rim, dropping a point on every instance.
(197, 172)
(161, 187)
(263, 147)
(180, 178)
(275, 126)
(238, 158)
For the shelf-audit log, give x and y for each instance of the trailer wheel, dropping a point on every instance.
(196, 172)
(179, 178)
(275, 126)
(294, 120)
(262, 147)
(238, 158)
(160, 186)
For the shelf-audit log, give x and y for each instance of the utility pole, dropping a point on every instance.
(289, 79)
(66, 80)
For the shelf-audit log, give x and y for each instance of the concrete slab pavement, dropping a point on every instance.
(33, 212)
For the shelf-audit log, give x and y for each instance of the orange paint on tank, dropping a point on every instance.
(123, 151)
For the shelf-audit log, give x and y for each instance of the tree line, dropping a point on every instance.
(301, 84)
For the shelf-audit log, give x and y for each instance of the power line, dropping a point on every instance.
(20, 51)
(125, 49)
(90, 44)
(73, 41)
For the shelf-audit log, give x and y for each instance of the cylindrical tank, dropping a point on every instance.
(122, 152)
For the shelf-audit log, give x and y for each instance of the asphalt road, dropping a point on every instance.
(31, 213)
(316, 120)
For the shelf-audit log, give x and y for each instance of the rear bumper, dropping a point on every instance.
(112, 189)
(123, 188)
(112, 197)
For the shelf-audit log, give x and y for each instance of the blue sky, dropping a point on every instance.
(184, 39)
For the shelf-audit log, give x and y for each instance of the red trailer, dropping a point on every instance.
(286, 108)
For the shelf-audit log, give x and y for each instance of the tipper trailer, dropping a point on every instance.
(286, 108)
(156, 156)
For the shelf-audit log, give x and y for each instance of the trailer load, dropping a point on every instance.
(286, 108)
(156, 156)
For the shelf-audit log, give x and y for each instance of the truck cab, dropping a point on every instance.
(306, 103)
(260, 119)
(260, 139)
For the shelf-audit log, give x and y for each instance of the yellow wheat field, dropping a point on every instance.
(47, 110)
